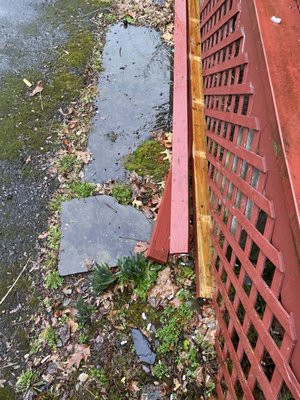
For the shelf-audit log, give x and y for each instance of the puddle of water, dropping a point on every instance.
(142, 347)
(133, 101)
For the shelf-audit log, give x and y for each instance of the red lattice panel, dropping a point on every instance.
(256, 334)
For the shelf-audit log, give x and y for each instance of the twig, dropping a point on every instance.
(15, 282)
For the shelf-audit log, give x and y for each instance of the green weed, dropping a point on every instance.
(50, 337)
(68, 163)
(26, 380)
(84, 311)
(173, 320)
(102, 278)
(122, 193)
(81, 190)
(99, 375)
(54, 236)
(53, 280)
(160, 370)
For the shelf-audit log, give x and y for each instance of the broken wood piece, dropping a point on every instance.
(159, 247)
(202, 221)
(179, 231)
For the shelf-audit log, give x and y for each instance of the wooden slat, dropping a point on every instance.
(202, 221)
(160, 239)
(179, 239)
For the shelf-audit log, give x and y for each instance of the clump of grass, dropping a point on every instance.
(160, 370)
(68, 163)
(102, 278)
(55, 203)
(122, 193)
(54, 236)
(84, 311)
(50, 337)
(53, 280)
(135, 269)
(50, 260)
(26, 380)
(81, 190)
(148, 159)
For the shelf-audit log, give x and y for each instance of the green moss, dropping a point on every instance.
(7, 393)
(122, 193)
(148, 159)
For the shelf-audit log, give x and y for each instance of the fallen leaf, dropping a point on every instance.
(164, 288)
(38, 89)
(137, 203)
(141, 247)
(43, 235)
(85, 156)
(133, 387)
(82, 353)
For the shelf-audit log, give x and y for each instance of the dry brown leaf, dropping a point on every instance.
(133, 387)
(38, 89)
(141, 247)
(82, 353)
(85, 156)
(164, 288)
(43, 235)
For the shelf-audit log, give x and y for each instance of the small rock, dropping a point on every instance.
(83, 377)
(146, 369)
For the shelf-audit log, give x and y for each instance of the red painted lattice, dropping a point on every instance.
(255, 257)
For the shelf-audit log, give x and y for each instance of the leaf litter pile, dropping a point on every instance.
(82, 336)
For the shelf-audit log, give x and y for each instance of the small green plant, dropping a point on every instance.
(129, 19)
(160, 370)
(133, 268)
(35, 346)
(210, 388)
(53, 280)
(185, 274)
(111, 18)
(99, 375)
(50, 261)
(50, 337)
(54, 236)
(26, 380)
(102, 277)
(172, 320)
(122, 193)
(183, 294)
(82, 190)
(68, 163)
(84, 311)
(83, 338)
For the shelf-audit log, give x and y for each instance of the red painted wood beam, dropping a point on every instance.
(179, 233)
(160, 239)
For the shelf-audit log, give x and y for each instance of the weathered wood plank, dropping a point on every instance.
(160, 239)
(202, 220)
(179, 239)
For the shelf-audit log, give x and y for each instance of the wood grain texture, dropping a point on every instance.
(202, 220)
(179, 239)
(160, 239)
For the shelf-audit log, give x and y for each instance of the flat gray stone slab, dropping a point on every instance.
(133, 100)
(99, 229)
